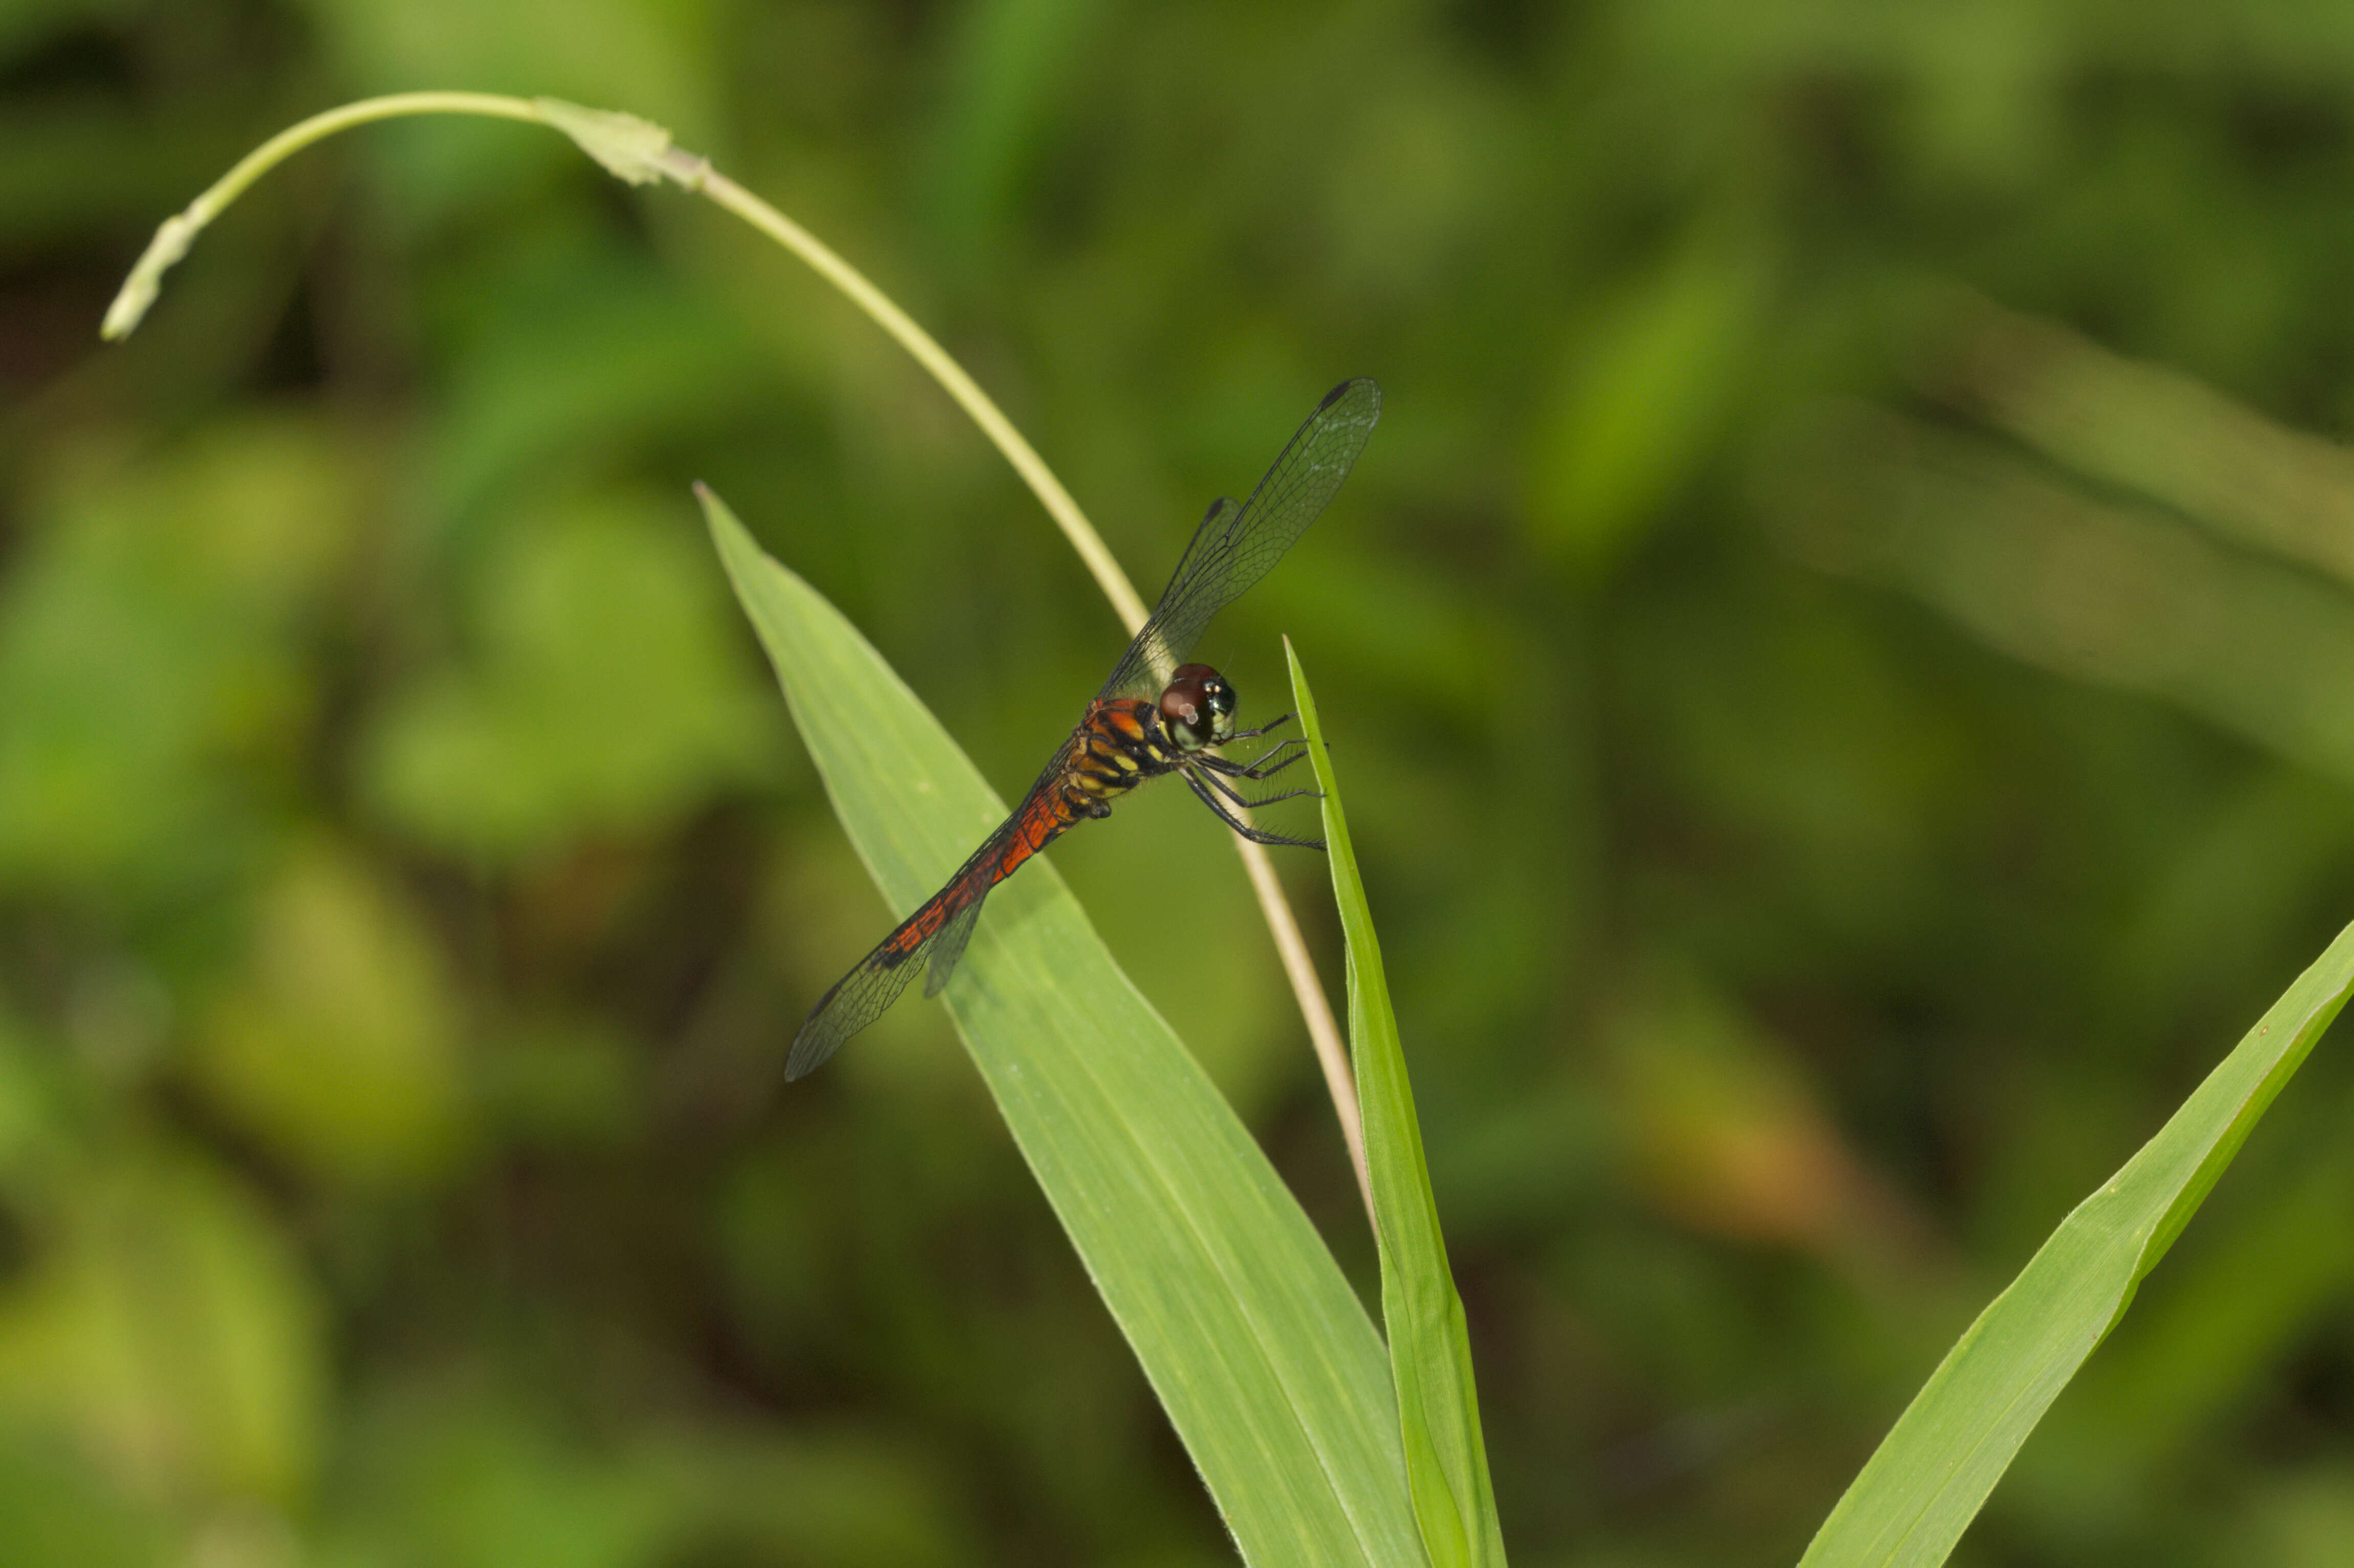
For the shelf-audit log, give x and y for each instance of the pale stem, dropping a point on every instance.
(638, 151)
(696, 173)
(180, 230)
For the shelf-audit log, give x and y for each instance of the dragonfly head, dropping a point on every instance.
(1197, 708)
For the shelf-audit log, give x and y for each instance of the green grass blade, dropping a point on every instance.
(1430, 1353)
(1922, 1487)
(1259, 1349)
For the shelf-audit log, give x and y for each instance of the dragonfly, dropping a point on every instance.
(1157, 715)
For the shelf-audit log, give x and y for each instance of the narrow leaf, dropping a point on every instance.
(1259, 1349)
(1921, 1490)
(1430, 1351)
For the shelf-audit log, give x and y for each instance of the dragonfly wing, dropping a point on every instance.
(947, 946)
(1236, 546)
(933, 938)
(858, 999)
(1155, 652)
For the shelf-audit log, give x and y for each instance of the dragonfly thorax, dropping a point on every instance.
(1197, 708)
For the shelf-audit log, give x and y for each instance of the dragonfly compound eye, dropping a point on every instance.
(1190, 707)
(1222, 700)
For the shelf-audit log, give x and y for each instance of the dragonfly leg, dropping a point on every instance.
(1265, 767)
(1239, 799)
(1276, 722)
(1253, 834)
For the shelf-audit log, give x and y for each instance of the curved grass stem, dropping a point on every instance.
(638, 151)
(180, 230)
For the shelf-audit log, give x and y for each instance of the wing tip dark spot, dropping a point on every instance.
(1364, 385)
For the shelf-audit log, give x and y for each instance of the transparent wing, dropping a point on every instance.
(934, 936)
(858, 999)
(1236, 546)
(948, 946)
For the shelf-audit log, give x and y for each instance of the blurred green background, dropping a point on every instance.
(1841, 651)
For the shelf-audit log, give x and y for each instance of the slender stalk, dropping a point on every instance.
(180, 230)
(640, 152)
(698, 174)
